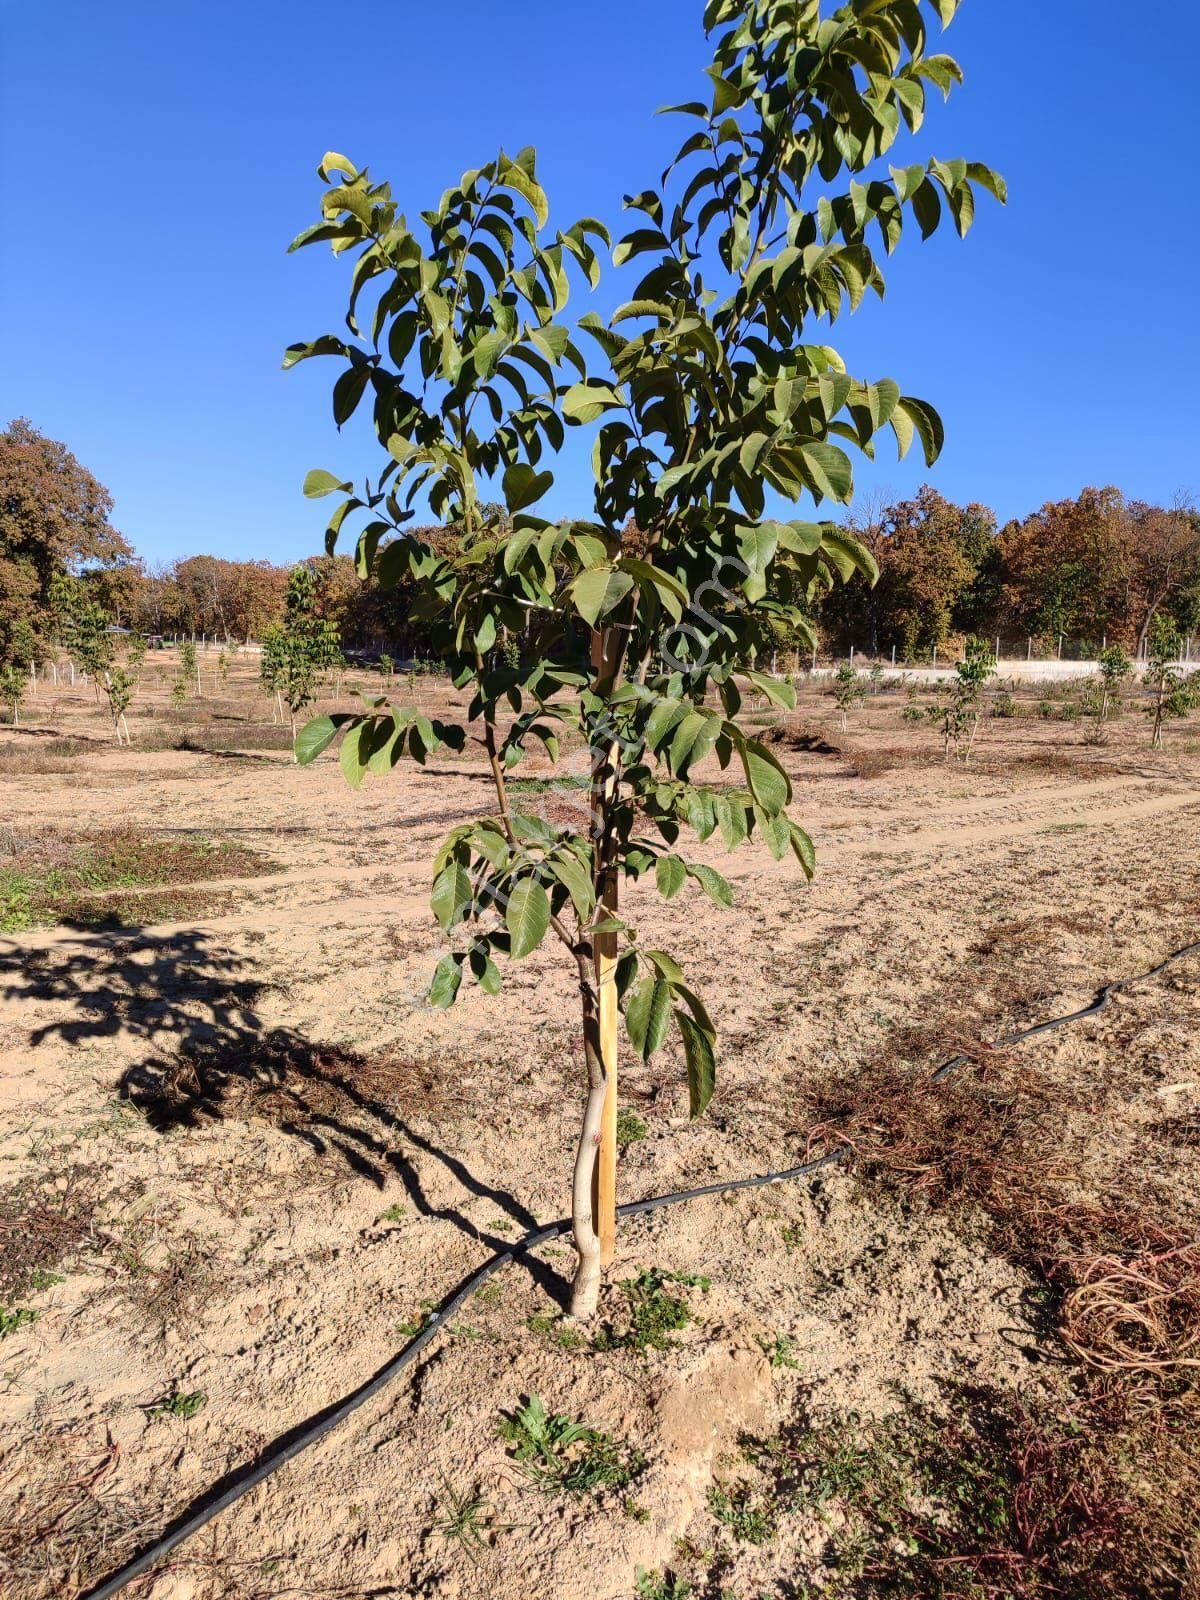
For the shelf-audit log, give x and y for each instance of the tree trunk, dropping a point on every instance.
(585, 1290)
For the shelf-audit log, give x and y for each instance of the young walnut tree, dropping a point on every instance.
(711, 403)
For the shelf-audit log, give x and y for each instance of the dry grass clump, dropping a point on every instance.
(994, 1498)
(1136, 1313)
(1101, 1500)
(43, 1228)
(56, 876)
(167, 1286)
(62, 1530)
(27, 758)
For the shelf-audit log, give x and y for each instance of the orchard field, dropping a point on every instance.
(242, 1158)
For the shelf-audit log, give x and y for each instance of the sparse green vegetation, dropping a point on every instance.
(570, 1338)
(19, 1317)
(653, 1313)
(630, 1127)
(749, 1515)
(779, 1351)
(559, 1456)
(466, 1517)
(661, 1586)
(182, 1405)
(55, 877)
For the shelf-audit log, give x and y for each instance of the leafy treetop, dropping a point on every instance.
(708, 389)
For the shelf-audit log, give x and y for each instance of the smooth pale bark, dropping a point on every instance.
(585, 1290)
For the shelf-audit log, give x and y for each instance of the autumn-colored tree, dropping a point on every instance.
(1066, 570)
(54, 519)
(929, 552)
(1164, 560)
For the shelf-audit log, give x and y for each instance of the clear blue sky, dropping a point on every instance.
(158, 158)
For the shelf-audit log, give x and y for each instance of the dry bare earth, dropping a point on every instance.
(253, 1155)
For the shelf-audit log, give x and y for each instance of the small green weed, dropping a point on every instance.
(748, 1515)
(779, 1351)
(181, 1405)
(40, 1281)
(18, 1317)
(467, 1517)
(393, 1213)
(630, 1127)
(414, 1325)
(559, 1456)
(653, 1313)
(555, 1328)
(661, 1586)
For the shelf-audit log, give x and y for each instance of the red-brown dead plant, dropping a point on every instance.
(1135, 1313)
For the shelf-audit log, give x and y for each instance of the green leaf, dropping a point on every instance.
(527, 916)
(757, 547)
(828, 471)
(484, 970)
(713, 884)
(584, 402)
(331, 161)
(648, 1015)
(804, 850)
(666, 966)
(318, 483)
(571, 874)
(776, 832)
(769, 783)
(447, 977)
(701, 1063)
(847, 555)
(597, 590)
(316, 736)
(778, 691)
(451, 896)
(522, 486)
(355, 752)
(927, 424)
(670, 874)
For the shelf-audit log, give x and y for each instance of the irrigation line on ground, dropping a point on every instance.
(290, 1444)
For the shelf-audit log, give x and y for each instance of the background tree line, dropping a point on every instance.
(1096, 569)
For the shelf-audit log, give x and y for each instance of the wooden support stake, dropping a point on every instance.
(604, 1201)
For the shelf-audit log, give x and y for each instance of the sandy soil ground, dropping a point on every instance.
(264, 1155)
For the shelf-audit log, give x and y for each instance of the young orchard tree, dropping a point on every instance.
(960, 715)
(296, 654)
(847, 693)
(135, 654)
(82, 628)
(1173, 693)
(14, 683)
(711, 394)
(270, 666)
(189, 665)
(118, 690)
(1115, 666)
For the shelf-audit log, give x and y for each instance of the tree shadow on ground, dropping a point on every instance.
(211, 1058)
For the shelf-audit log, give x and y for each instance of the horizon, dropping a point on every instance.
(177, 316)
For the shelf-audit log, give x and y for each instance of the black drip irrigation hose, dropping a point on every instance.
(290, 1444)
